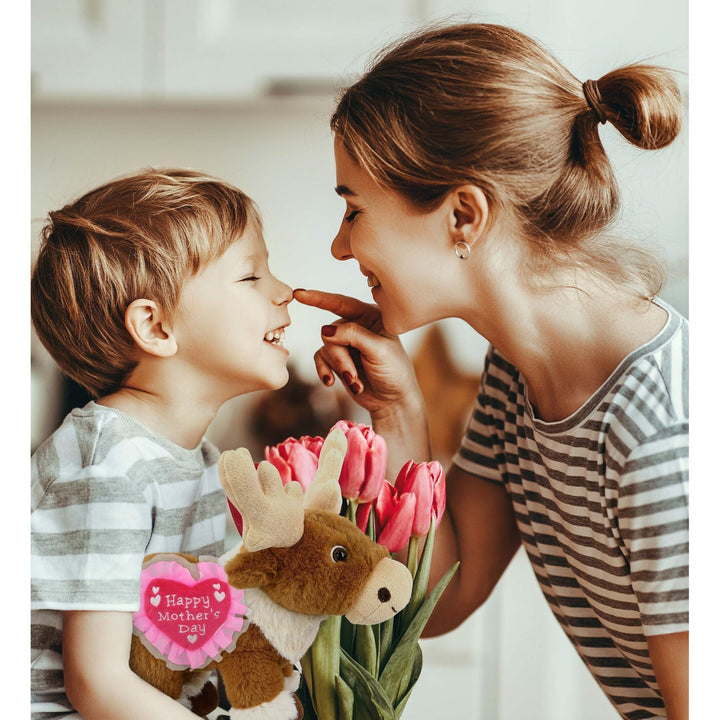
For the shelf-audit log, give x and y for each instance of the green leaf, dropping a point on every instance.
(325, 666)
(398, 669)
(368, 691)
(347, 635)
(346, 699)
(421, 576)
(384, 644)
(414, 676)
(365, 649)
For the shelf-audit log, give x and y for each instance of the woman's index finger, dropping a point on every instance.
(342, 305)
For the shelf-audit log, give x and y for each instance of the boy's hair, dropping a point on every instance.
(139, 236)
(487, 105)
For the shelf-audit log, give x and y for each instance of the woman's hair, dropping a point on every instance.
(137, 237)
(487, 105)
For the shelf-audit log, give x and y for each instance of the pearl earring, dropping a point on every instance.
(462, 250)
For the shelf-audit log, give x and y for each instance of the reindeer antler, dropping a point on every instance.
(273, 515)
(324, 491)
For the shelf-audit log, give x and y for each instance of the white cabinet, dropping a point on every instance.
(88, 48)
(211, 49)
(231, 48)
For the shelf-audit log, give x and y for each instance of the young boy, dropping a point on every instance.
(154, 293)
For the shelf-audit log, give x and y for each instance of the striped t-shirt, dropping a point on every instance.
(105, 492)
(601, 501)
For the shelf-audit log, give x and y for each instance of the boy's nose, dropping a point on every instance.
(283, 294)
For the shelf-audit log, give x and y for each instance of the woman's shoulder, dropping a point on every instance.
(653, 384)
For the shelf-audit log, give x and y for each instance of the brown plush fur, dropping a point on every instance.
(255, 673)
(303, 579)
(291, 576)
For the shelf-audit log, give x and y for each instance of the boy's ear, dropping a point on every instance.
(470, 214)
(147, 324)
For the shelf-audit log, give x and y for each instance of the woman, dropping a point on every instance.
(477, 187)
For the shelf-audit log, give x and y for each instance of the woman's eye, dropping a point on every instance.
(351, 216)
(339, 554)
(250, 278)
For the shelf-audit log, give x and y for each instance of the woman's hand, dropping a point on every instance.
(370, 361)
(375, 368)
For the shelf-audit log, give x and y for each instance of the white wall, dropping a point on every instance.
(510, 661)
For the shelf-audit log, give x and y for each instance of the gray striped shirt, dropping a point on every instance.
(601, 501)
(105, 492)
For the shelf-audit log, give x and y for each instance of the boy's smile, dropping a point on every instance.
(275, 337)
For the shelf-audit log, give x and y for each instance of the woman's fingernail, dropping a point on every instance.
(328, 330)
(355, 388)
(327, 379)
(299, 290)
(348, 378)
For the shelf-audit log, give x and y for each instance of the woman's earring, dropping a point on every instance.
(462, 250)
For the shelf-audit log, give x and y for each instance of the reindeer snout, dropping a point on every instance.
(386, 592)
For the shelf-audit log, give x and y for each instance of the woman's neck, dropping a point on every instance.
(566, 340)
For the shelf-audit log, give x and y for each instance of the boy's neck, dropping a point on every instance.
(182, 420)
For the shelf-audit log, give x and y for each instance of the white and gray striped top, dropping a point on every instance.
(601, 501)
(105, 492)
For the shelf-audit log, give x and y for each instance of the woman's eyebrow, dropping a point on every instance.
(344, 190)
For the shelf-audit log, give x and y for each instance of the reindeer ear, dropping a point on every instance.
(251, 569)
(324, 492)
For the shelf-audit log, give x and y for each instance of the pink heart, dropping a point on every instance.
(187, 613)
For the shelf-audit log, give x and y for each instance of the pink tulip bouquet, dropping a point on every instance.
(360, 672)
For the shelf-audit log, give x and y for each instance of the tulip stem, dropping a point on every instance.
(412, 559)
(351, 512)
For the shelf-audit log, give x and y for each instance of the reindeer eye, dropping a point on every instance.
(339, 554)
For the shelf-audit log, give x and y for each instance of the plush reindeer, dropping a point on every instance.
(299, 562)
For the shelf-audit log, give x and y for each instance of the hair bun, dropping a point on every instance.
(643, 102)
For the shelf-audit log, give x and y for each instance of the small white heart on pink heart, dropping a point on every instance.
(155, 589)
(216, 586)
(192, 638)
(155, 600)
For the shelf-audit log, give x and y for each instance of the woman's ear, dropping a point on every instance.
(149, 327)
(470, 214)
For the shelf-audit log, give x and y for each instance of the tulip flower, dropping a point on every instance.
(363, 471)
(426, 481)
(394, 514)
(296, 459)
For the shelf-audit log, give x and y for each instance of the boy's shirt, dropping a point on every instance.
(106, 491)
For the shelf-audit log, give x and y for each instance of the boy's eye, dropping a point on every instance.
(351, 216)
(249, 278)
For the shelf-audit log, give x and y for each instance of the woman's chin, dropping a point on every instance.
(397, 324)
(397, 320)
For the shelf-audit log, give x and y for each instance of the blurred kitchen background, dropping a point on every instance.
(244, 90)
